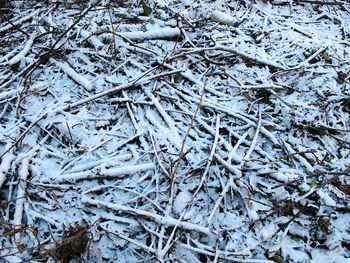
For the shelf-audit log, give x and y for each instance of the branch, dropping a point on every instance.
(166, 221)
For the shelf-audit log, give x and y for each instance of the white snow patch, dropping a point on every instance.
(181, 201)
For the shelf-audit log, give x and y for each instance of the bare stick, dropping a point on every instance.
(182, 152)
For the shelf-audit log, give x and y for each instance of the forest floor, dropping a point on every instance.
(175, 131)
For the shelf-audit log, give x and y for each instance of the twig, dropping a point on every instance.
(182, 152)
(147, 215)
(5, 165)
(320, 2)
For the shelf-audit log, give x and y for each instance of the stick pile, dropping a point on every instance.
(196, 132)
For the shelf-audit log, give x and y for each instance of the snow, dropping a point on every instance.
(80, 79)
(5, 165)
(23, 52)
(8, 26)
(224, 18)
(152, 34)
(181, 201)
(23, 174)
(97, 44)
(203, 131)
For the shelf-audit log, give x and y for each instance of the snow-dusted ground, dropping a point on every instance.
(175, 131)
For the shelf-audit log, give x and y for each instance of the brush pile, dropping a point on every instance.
(175, 131)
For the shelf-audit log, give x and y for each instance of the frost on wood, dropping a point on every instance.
(17, 21)
(78, 78)
(5, 165)
(164, 33)
(102, 172)
(93, 40)
(23, 52)
(201, 132)
(22, 184)
(224, 18)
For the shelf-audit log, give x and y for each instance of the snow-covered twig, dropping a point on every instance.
(23, 52)
(19, 74)
(105, 161)
(211, 156)
(183, 145)
(224, 18)
(254, 141)
(137, 81)
(300, 30)
(170, 241)
(7, 94)
(156, 154)
(5, 165)
(223, 193)
(132, 241)
(232, 50)
(163, 33)
(93, 40)
(100, 172)
(223, 254)
(167, 221)
(78, 78)
(127, 170)
(22, 184)
(314, 55)
(172, 136)
(18, 22)
(301, 159)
